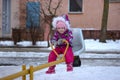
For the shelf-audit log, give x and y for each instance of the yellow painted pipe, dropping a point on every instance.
(23, 68)
(64, 51)
(31, 72)
(15, 75)
(33, 69)
(25, 72)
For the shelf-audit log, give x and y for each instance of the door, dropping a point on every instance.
(6, 17)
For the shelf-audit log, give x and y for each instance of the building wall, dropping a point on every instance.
(114, 16)
(14, 16)
(15, 13)
(90, 18)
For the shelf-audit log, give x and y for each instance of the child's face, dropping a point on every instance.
(61, 29)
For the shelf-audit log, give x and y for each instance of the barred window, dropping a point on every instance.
(75, 6)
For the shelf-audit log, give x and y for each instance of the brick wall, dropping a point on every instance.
(95, 34)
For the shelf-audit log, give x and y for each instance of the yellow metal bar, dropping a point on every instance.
(23, 68)
(66, 47)
(31, 72)
(15, 75)
(54, 50)
(48, 64)
(64, 51)
(27, 71)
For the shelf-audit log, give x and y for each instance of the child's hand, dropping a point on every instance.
(60, 41)
(55, 43)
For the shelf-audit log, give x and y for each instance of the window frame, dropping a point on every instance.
(75, 12)
(6, 19)
(113, 1)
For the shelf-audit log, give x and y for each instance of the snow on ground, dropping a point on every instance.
(95, 45)
(90, 44)
(79, 73)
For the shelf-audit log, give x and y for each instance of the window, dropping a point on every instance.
(33, 14)
(75, 6)
(114, 0)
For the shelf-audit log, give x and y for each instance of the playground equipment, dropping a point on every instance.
(78, 48)
(78, 41)
(32, 69)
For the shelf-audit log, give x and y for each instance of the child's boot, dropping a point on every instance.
(51, 70)
(69, 67)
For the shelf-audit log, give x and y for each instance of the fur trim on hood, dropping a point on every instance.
(56, 19)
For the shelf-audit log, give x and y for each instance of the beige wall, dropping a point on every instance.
(92, 15)
(89, 19)
(114, 16)
(15, 13)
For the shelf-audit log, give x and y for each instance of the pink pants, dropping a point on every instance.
(60, 50)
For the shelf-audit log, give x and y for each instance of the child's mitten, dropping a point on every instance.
(60, 41)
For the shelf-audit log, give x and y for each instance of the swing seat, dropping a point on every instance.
(78, 46)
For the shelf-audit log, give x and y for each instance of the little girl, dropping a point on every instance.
(62, 31)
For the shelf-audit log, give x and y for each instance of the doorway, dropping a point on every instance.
(6, 10)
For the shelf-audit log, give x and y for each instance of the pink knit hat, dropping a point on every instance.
(60, 21)
(61, 24)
